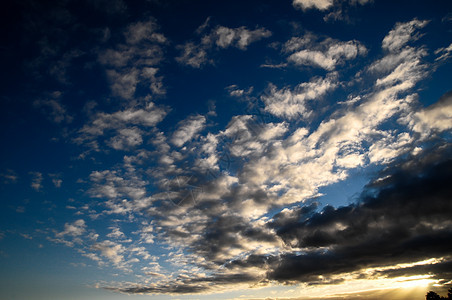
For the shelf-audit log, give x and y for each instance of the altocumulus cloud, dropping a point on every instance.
(193, 201)
(401, 217)
(221, 37)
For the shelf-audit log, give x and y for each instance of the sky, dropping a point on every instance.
(296, 149)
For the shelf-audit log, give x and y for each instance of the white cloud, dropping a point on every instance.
(127, 138)
(36, 182)
(435, 118)
(326, 54)
(56, 180)
(402, 34)
(115, 186)
(9, 176)
(203, 26)
(248, 138)
(392, 60)
(324, 4)
(241, 37)
(209, 148)
(143, 31)
(235, 91)
(145, 254)
(115, 233)
(123, 84)
(298, 166)
(271, 131)
(187, 130)
(390, 146)
(147, 238)
(156, 84)
(192, 55)
(123, 124)
(111, 250)
(133, 62)
(313, 58)
(116, 58)
(297, 43)
(318, 4)
(271, 163)
(75, 229)
(407, 73)
(293, 103)
(445, 53)
(196, 55)
(338, 144)
(53, 108)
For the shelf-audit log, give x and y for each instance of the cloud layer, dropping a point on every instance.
(183, 198)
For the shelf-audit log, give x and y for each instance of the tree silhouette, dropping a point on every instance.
(434, 296)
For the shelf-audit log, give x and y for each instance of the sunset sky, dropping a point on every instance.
(180, 149)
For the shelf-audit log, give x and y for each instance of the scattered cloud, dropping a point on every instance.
(143, 31)
(235, 91)
(193, 55)
(123, 84)
(56, 180)
(197, 54)
(237, 206)
(402, 34)
(53, 108)
(187, 129)
(75, 229)
(434, 118)
(36, 181)
(9, 176)
(324, 5)
(111, 250)
(326, 54)
(294, 103)
(354, 231)
(307, 4)
(443, 52)
(394, 216)
(134, 62)
(123, 124)
(148, 117)
(227, 230)
(126, 138)
(241, 37)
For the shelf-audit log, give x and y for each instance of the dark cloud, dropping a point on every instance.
(400, 219)
(172, 289)
(190, 285)
(225, 233)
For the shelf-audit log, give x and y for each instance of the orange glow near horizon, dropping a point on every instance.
(399, 288)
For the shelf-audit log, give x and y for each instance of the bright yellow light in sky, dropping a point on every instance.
(416, 281)
(398, 288)
(403, 287)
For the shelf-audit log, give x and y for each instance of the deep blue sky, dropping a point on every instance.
(223, 149)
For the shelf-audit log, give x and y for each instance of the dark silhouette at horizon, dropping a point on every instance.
(434, 296)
